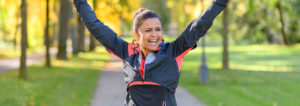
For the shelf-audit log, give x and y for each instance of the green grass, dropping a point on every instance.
(67, 83)
(260, 75)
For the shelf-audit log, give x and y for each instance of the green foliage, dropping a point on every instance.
(259, 20)
(67, 83)
(259, 75)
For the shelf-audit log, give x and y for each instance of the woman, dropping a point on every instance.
(151, 66)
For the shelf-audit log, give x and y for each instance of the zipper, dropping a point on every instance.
(143, 64)
(142, 68)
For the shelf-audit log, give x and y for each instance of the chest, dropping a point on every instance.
(155, 66)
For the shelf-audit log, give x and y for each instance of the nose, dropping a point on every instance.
(155, 33)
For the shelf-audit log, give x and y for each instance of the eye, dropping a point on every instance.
(147, 30)
(158, 29)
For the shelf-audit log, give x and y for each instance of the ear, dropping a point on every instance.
(136, 35)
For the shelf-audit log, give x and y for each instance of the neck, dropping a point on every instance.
(146, 52)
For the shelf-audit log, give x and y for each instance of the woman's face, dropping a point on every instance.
(150, 35)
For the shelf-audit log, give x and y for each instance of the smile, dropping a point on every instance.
(152, 42)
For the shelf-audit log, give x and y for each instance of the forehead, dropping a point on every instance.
(150, 23)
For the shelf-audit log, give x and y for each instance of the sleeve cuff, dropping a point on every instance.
(221, 2)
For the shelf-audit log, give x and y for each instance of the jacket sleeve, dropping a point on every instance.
(197, 28)
(101, 32)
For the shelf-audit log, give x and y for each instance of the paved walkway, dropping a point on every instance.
(111, 90)
(9, 64)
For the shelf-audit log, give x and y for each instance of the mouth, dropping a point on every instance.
(152, 42)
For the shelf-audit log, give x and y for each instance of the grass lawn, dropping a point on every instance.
(260, 75)
(67, 83)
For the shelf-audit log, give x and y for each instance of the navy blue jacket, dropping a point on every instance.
(151, 81)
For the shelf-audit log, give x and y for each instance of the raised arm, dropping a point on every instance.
(197, 28)
(101, 32)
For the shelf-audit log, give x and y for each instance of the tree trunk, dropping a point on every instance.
(75, 43)
(225, 40)
(55, 25)
(92, 39)
(81, 37)
(73, 33)
(47, 40)
(64, 21)
(23, 75)
(92, 43)
(283, 33)
(53, 38)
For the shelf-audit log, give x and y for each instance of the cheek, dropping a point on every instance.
(161, 36)
(142, 39)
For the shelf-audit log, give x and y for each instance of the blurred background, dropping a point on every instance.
(250, 56)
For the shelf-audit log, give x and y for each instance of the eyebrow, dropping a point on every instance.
(154, 28)
(148, 28)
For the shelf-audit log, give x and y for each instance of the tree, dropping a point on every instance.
(64, 21)
(74, 27)
(81, 35)
(47, 40)
(92, 39)
(23, 75)
(283, 32)
(74, 35)
(225, 64)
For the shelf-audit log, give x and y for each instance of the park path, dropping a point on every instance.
(9, 64)
(111, 90)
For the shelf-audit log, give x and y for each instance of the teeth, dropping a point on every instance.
(152, 42)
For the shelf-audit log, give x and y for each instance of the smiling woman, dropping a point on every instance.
(151, 66)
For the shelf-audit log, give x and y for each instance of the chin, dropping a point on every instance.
(152, 48)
